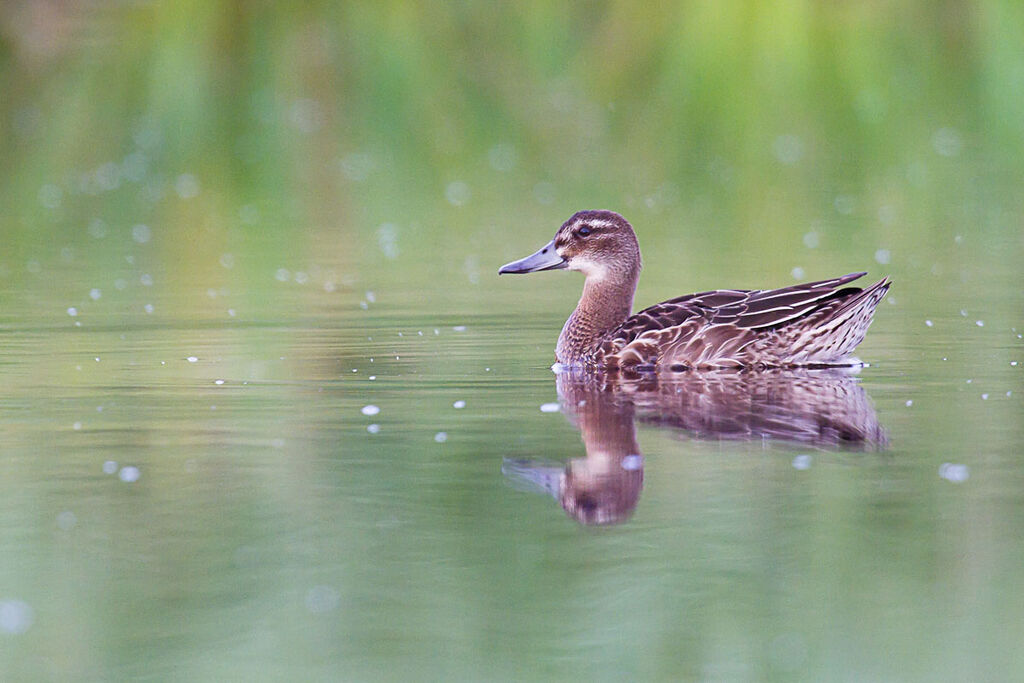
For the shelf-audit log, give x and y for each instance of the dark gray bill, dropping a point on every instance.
(533, 476)
(545, 259)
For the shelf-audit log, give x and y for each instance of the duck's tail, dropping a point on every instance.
(834, 337)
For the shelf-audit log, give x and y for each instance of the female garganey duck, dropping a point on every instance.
(812, 324)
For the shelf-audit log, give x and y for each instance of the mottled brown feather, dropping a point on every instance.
(739, 328)
(814, 323)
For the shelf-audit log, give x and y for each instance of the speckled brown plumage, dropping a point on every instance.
(817, 323)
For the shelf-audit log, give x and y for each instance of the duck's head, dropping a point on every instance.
(596, 243)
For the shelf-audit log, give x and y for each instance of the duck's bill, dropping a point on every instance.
(545, 259)
(533, 476)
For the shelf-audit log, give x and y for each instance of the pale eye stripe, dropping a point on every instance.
(596, 223)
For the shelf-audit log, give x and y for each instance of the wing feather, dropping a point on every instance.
(717, 327)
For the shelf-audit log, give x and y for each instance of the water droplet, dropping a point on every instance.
(979, 323)
(306, 115)
(632, 462)
(929, 323)
(72, 311)
(797, 273)
(50, 196)
(129, 474)
(387, 239)
(909, 403)
(845, 204)
(954, 472)
(320, 599)
(549, 408)
(441, 437)
(457, 193)
(788, 149)
(357, 166)
(66, 520)
(249, 214)
(370, 410)
(16, 616)
(373, 429)
(887, 214)
(947, 142)
(110, 466)
(141, 233)
(186, 185)
(502, 157)
(883, 256)
(458, 405)
(802, 462)
(192, 359)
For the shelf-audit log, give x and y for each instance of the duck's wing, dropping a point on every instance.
(771, 308)
(712, 328)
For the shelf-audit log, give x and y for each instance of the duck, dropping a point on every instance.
(813, 324)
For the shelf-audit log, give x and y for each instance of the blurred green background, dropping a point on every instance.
(225, 225)
(728, 129)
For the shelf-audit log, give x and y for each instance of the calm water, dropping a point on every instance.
(268, 413)
(360, 494)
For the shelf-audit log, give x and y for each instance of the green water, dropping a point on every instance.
(268, 413)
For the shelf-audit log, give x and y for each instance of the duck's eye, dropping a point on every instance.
(583, 231)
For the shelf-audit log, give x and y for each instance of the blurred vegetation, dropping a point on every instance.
(722, 121)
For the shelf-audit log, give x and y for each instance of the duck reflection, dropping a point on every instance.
(823, 408)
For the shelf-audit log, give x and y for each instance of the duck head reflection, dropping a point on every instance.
(824, 408)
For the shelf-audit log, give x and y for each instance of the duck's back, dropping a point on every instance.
(816, 323)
